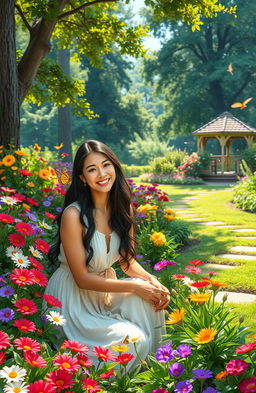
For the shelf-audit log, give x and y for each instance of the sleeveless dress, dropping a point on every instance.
(104, 319)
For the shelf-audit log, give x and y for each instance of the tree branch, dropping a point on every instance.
(22, 15)
(75, 10)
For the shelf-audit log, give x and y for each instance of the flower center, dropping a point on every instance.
(60, 382)
(22, 278)
(27, 347)
(13, 374)
(66, 365)
(56, 319)
(17, 390)
(25, 308)
(24, 327)
(20, 261)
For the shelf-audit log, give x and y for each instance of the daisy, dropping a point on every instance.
(56, 318)
(34, 359)
(22, 277)
(41, 386)
(60, 379)
(26, 306)
(66, 362)
(91, 385)
(8, 200)
(83, 360)
(35, 252)
(42, 245)
(16, 239)
(75, 346)
(25, 325)
(13, 373)
(45, 225)
(4, 340)
(20, 260)
(39, 277)
(103, 354)
(38, 265)
(10, 251)
(15, 387)
(26, 344)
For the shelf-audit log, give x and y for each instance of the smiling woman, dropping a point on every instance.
(96, 229)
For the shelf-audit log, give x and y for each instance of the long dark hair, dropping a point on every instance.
(121, 220)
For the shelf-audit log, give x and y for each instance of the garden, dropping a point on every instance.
(208, 347)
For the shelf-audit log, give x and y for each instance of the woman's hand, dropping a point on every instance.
(165, 298)
(150, 293)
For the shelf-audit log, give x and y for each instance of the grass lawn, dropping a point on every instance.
(212, 241)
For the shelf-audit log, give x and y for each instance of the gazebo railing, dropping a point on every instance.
(220, 164)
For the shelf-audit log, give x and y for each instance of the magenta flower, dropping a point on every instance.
(160, 390)
(236, 366)
(176, 369)
(183, 350)
(164, 354)
(183, 387)
(162, 264)
(248, 385)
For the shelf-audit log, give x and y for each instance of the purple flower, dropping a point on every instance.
(162, 264)
(6, 314)
(210, 390)
(164, 354)
(183, 350)
(200, 373)
(160, 390)
(50, 197)
(183, 387)
(31, 216)
(58, 209)
(6, 291)
(139, 256)
(3, 278)
(44, 318)
(47, 203)
(176, 369)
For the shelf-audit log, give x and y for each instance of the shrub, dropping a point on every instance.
(249, 155)
(245, 194)
(134, 170)
(167, 164)
(170, 179)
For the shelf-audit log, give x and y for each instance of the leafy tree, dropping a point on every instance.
(90, 27)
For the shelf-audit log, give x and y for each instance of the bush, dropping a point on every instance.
(134, 170)
(167, 164)
(170, 179)
(245, 194)
(249, 156)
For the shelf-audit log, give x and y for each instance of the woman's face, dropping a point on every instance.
(98, 172)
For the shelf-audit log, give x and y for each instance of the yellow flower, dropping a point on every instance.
(145, 208)
(44, 174)
(168, 217)
(200, 297)
(205, 336)
(9, 160)
(20, 153)
(30, 184)
(37, 147)
(158, 238)
(169, 211)
(176, 316)
(14, 168)
(26, 207)
(120, 348)
(3, 178)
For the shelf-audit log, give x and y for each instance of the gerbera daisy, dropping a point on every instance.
(176, 316)
(90, 385)
(35, 252)
(49, 215)
(22, 277)
(199, 284)
(107, 375)
(25, 325)
(41, 386)
(26, 306)
(248, 385)
(16, 387)
(16, 240)
(39, 278)
(7, 189)
(34, 359)
(20, 260)
(60, 379)
(75, 346)
(56, 318)
(10, 251)
(124, 358)
(6, 218)
(26, 344)
(42, 245)
(103, 354)
(8, 200)
(179, 276)
(13, 373)
(196, 262)
(38, 265)
(120, 348)
(66, 362)
(32, 201)
(205, 335)
(246, 348)
(24, 228)
(193, 269)
(4, 340)
(25, 172)
(200, 298)
(51, 300)
(83, 360)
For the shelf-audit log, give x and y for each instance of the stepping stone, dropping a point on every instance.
(194, 219)
(212, 223)
(245, 230)
(245, 237)
(226, 226)
(244, 248)
(218, 266)
(236, 297)
(237, 256)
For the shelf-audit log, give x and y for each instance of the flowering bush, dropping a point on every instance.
(170, 179)
(245, 193)
(193, 165)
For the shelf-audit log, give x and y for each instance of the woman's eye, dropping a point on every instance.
(107, 164)
(92, 169)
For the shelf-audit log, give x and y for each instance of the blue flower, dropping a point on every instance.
(200, 373)
(210, 390)
(6, 291)
(183, 387)
(6, 314)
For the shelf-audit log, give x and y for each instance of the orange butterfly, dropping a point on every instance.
(59, 147)
(241, 105)
(230, 68)
(63, 176)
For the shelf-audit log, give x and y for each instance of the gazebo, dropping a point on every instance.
(225, 129)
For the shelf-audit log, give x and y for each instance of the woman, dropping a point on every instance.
(96, 229)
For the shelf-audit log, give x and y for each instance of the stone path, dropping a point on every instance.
(183, 211)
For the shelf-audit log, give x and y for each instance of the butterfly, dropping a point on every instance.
(59, 147)
(63, 176)
(241, 105)
(230, 69)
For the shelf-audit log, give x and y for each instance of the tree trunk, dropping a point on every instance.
(9, 89)
(64, 113)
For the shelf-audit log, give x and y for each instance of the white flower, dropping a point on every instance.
(8, 200)
(34, 251)
(15, 387)
(187, 281)
(10, 251)
(45, 225)
(20, 260)
(56, 318)
(13, 373)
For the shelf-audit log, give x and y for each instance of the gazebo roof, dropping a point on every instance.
(226, 123)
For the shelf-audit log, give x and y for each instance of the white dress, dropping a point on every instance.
(94, 320)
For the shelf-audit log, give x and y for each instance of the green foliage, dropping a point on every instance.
(167, 164)
(170, 179)
(249, 156)
(193, 165)
(134, 170)
(245, 194)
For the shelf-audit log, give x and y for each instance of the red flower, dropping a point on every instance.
(16, 240)
(26, 306)
(103, 354)
(66, 362)
(25, 325)
(7, 189)
(22, 277)
(41, 386)
(124, 358)
(46, 189)
(236, 366)
(19, 197)
(60, 379)
(246, 348)
(107, 375)
(24, 228)
(34, 359)
(26, 344)
(38, 265)
(52, 216)
(2, 357)
(24, 172)
(39, 278)
(199, 284)
(42, 245)
(83, 360)
(4, 340)
(75, 346)
(179, 276)
(193, 269)
(196, 262)
(248, 385)
(163, 198)
(6, 218)
(32, 201)
(51, 300)
(90, 385)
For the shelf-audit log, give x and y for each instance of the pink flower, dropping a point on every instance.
(26, 306)
(193, 269)
(41, 386)
(196, 262)
(248, 385)
(26, 344)
(25, 325)
(60, 379)
(246, 348)
(51, 300)
(66, 362)
(103, 354)
(90, 385)
(2, 357)
(83, 360)
(236, 366)
(22, 277)
(34, 359)
(75, 346)
(42, 245)
(107, 375)
(24, 228)
(162, 264)
(4, 340)
(39, 277)
(38, 265)
(16, 240)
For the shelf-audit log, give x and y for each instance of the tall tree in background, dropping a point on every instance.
(191, 69)
(89, 27)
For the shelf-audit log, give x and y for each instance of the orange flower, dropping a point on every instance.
(3, 178)
(176, 316)
(8, 160)
(200, 297)
(44, 174)
(158, 238)
(1, 171)
(20, 153)
(221, 375)
(26, 207)
(14, 168)
(169, 211)
(205, 336)
(37, 147)
(30, 184)
(168, 217)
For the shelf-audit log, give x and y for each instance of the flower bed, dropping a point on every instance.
(170, 179)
